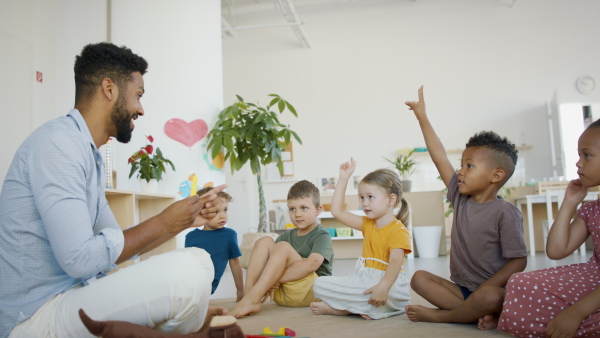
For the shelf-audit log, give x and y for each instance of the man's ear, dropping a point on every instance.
(498, 175)
(110, 90)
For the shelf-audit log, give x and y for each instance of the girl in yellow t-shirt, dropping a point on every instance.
(379, 286)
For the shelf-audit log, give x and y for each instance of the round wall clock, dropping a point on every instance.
(585, 84)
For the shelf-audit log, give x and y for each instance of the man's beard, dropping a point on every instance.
(122, 120)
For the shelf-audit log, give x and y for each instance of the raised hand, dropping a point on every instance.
(418, 107)
(347, 168)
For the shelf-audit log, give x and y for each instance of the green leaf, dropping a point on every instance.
(296, 136)
(281, 106)
(260, 118)
(233, 133)
(133, 170)
(273, 102)
(227, 143)
(291, 108)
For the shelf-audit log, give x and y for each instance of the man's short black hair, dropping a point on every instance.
(503, 153)
(104, 60)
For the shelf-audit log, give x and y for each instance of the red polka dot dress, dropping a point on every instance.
(534, 298)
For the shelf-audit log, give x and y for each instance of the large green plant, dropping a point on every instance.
(405, 165)
(249, 133)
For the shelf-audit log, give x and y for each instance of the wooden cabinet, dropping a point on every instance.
(131, 208)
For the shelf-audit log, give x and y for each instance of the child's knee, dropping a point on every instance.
(419, 278)
(283, 246)
(491, 297)
(265, 241)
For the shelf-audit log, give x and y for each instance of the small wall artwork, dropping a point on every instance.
(217, 163)
(186, 133)
(327, 184)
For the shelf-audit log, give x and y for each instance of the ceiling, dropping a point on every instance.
(285, 14)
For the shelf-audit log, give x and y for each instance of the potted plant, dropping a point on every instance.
(406, 167)
(249, 133)
(148, 163)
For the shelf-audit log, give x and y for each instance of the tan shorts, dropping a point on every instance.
(297, 293)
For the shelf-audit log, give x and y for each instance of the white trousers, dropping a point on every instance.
(168, 292)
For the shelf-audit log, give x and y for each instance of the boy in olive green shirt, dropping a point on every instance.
(286, 269)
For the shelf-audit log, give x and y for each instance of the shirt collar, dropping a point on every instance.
(80, 122)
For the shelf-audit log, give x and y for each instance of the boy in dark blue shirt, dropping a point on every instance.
(221, 243)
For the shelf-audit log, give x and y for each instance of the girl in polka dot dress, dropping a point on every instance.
(563, 301)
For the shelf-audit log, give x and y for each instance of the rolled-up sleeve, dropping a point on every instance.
(114, 241)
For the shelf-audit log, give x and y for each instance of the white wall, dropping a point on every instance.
(181, 42)
(485, 66)
(54, 31)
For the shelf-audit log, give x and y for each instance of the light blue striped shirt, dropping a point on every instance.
(56, 229)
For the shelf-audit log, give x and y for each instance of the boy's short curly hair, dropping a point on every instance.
(595, 124)
(503, 153)
(225, 196)
(304, 189)
(104, 60)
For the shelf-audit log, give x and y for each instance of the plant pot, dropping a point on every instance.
(149, 187)
(427, 239)
(406, 185)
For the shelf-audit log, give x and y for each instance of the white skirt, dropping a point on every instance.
(346, 293)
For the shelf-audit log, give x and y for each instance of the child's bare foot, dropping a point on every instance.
(245, 308)
(366, 317)
(116, 328)
(212, 311)
(418, 313)
(321, 308)
(487, 322)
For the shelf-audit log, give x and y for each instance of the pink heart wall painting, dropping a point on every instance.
(186, 133)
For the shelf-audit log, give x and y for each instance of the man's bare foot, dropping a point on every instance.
(487, 322)
(212, 311)
(418, 313)
(245, 308)
(322, 308)
(366, 317)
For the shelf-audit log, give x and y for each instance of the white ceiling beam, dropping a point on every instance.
(226, 28)
(289, 12)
